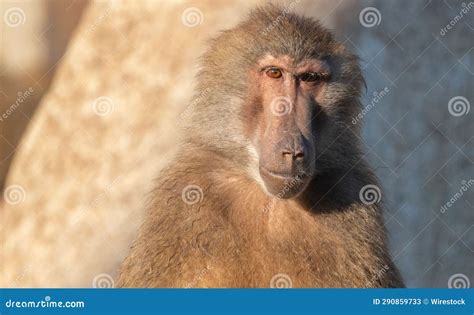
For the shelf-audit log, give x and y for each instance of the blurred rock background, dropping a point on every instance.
(419, 135)
(29, 54)
(73, 196)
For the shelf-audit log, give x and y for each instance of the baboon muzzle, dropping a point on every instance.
(286, 159)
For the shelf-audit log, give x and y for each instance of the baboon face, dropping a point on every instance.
(283, 137)
(281, 102)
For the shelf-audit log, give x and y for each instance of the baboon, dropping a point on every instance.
(265, 188)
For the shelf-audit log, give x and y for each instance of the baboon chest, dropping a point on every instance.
(285, 245)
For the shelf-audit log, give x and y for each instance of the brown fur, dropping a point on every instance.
(236, 233)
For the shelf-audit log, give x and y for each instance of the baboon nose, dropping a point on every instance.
(294, 152)
(297, 154)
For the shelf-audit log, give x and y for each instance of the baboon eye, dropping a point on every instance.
(274, 73)
(310, 77)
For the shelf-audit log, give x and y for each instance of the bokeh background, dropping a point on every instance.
(92, 93)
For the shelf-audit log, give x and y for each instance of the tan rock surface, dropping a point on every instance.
(90, 154)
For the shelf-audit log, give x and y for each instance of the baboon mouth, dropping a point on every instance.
(295, 176)
(284, 185)
(286, 176)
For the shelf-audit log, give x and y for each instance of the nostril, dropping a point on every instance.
(299, 155)
(294, 155)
